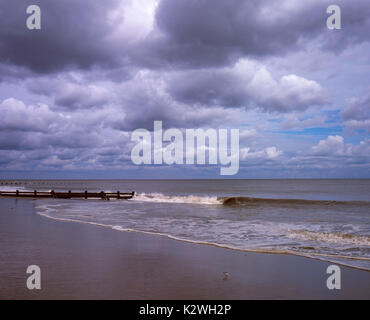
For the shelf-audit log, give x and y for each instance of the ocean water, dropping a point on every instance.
(320, 219)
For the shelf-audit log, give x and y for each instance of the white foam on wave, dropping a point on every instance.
(339, 238)
(253, 235)
(49, 211)
(13, 188)
(317, 256)
(192, 199)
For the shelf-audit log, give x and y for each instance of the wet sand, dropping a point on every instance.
(81, 261)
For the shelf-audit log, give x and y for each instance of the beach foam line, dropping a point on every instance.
(331, 237)
(315, 256)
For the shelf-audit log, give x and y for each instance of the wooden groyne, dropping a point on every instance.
(68, 195)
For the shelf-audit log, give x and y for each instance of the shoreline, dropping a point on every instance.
(315, 256)
(78, 258)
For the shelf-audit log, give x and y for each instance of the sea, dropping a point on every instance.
(325, 219)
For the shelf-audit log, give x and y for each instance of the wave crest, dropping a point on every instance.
(250, 201)
(191, 199)
(240, 201)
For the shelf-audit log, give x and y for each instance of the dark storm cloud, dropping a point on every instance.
(145, 99)
(72, 94)
(78, 96)
(128, 105)
(198, 33)
(187, 33)
(73, 33)
(202, 64)
(10, 72)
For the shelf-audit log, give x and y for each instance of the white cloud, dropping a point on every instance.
(332, 146)
(291, 92)
(246, 84)
(15, 115)
(269, 153)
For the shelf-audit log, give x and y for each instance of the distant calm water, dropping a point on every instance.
(324, 219)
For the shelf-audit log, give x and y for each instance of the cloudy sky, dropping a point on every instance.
(72, 92)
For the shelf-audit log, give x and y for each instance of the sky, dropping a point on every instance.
(72, 93)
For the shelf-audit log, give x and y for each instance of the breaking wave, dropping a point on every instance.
(240, 201)
(191, 199)
(11, 188)
(250, 201)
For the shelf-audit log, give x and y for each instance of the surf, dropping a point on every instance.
(190, 199)
(240, 201)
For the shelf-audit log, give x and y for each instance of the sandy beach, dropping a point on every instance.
(81, 261)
